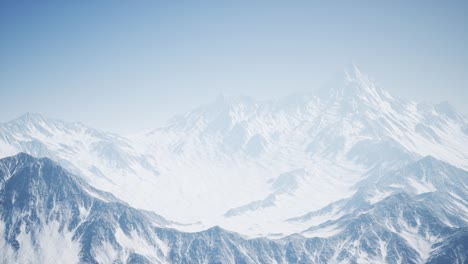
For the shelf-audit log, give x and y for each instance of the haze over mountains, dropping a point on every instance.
(347, 173)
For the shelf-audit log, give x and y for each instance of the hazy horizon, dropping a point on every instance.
(124, 67)
(213, 99)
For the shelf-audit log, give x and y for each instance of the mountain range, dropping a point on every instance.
(345, 174)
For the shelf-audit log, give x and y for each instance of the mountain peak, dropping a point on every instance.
(23, 156)
(359, 83)
(430, 164)
(432, 161)
(228, 100)
(227, 105)
(352, 88)
(32, 122)
(352, 72)
(31, 117)
(429, 158)
(19, 158)
(35, 121)
(445, 108)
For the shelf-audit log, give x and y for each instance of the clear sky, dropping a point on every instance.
(124, 66)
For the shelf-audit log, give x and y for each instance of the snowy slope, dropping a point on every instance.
(248, 165)
(424, 203)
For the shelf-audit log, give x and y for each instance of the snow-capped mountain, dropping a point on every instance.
(249, 165)
(49, 215)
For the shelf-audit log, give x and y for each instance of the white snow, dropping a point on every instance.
(105, 253)
(322, 232)
(422, 244)
(136, 244)
(49, 246)
(421, 187)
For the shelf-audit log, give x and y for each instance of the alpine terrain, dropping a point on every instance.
(345, 174)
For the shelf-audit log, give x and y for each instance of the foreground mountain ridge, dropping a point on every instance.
(41, 204)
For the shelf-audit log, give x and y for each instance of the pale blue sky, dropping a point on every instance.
(123, 66)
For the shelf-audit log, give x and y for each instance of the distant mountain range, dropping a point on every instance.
(346, 174)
